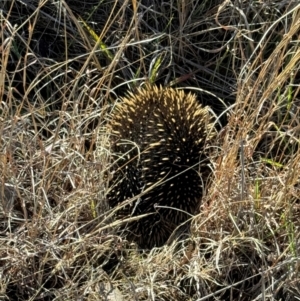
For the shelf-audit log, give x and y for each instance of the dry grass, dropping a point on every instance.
(64, 64)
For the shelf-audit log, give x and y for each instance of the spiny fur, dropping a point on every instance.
(159, 136)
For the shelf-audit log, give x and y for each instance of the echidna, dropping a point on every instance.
(160, 137)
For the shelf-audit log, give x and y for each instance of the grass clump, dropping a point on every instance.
(64, 64)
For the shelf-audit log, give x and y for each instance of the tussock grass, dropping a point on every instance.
(64, 65)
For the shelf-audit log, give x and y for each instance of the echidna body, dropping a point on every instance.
(160, 137)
